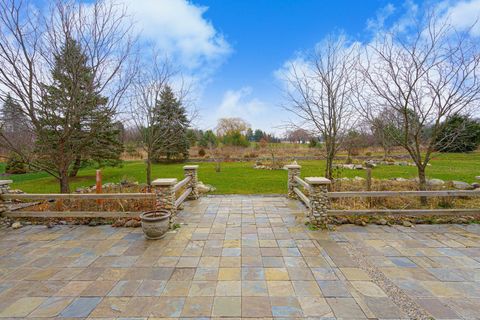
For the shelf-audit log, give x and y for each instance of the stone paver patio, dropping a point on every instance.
(241, 257)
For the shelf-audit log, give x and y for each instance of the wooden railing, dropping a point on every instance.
(165, 196)
(319, 205)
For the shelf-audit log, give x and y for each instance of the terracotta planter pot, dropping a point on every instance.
(155, 223)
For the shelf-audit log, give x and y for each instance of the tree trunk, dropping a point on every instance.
(149, 172)
(76, 166)
(329, 168)
(422, 183)
(385, 153)
(64, 186)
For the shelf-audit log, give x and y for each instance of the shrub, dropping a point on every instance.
(15, 165)
(202, 152)
(250, 155)
(458, 134)
(368, 154)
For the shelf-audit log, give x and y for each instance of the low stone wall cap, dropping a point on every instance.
(293, 166)
(164, 182)
(317, 180)
(2, 182)
(191, 167)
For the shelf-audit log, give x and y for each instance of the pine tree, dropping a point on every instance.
(15, 128)
(76, 124)
(172, 120)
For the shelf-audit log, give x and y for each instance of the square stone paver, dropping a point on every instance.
(255, 307)
(227, 307)
(22, 307)
(254, 288)
(168, 307)
(197, 307)
(345, 308)
(80, 307)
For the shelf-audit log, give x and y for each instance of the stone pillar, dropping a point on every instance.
(4, 188)
(319, 202)
(192, 171)
(165, 195)
(293, 171)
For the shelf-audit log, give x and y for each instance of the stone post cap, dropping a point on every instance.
(317, 180)
(4, 182)
(293, 166)
(191, 167)
(164, 182)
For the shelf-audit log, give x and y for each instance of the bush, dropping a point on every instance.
(458, 134)
(250, 155)
(368, 154)
(202, 152)
(15, 165)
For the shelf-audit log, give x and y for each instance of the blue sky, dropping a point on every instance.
(230, 51)
(263, 35)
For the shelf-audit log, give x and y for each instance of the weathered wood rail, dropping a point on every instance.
(318, 199)
(169, 194)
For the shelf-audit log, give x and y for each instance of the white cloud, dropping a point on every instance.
(464, 15)
(178, 28)
(237, 103)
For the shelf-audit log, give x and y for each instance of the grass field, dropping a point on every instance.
(241, 178)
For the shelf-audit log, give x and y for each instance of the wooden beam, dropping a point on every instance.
(76, 196)
(302, 196)
(301, 182)
(182, 183)
(71, 214)
(406, 212)
(443, 193)
(183, 197)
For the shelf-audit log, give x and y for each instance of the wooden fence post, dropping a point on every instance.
(98, 184)
(319, 201)
(192, 171)
(293, 171)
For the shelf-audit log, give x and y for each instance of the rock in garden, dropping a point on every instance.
(462, 185)
(92, 223)
(16, 225)
(475, 185)
(435, 182)
(204, 188)
(132, 223)
(382, 222)
(407, 223)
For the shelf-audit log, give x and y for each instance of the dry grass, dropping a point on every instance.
(397, 202)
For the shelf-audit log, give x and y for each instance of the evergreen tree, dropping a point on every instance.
(258, 135)
(13, 119)
(208, 140)
(75, 123)
(173, 121)
(458, 134)
(14, 125)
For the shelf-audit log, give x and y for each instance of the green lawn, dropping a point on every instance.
(241, 178)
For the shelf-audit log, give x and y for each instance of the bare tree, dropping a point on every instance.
(151, 80)
(421, 78)
(228, 125)
(156, 75)
(31, 40)
(320, 93)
